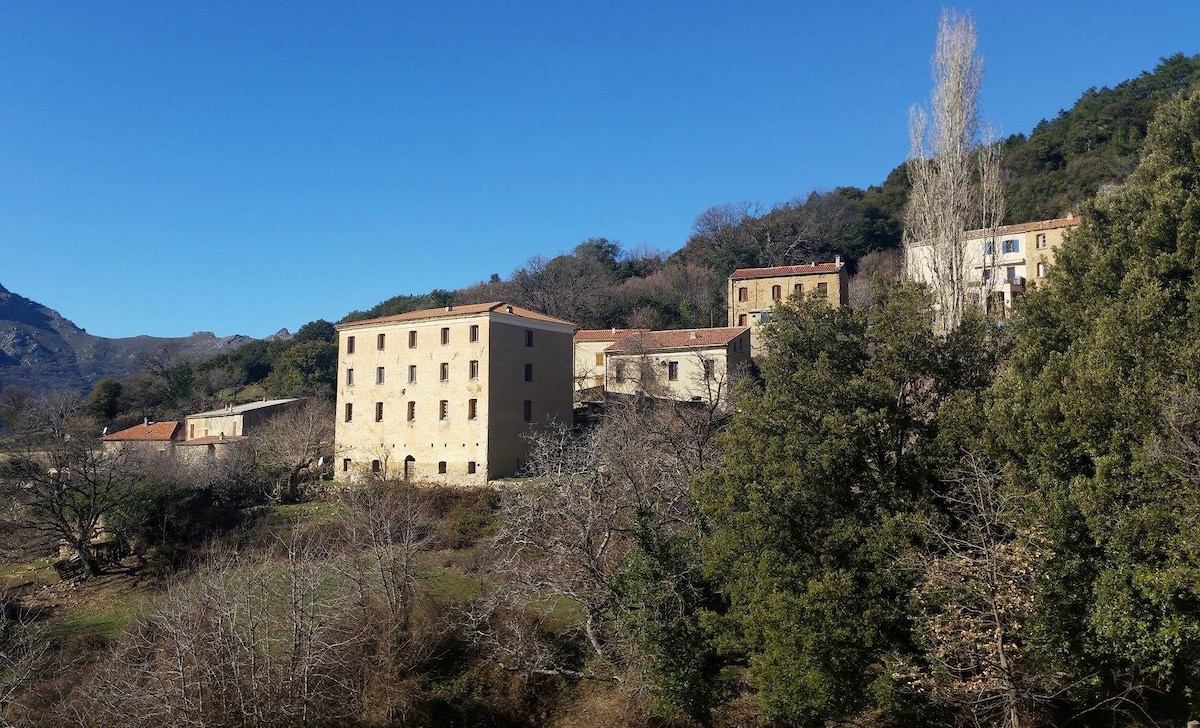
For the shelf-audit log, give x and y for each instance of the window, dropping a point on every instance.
(445, 335)
(375, 467)
(798, 288)
(528, 337)
(345, 465)
(1010, 246)
(710, 368)
(379, 375)
(741, 319)
(1041, 270)
(349, 411)
(412, 411)
(989, 247)
(528, 410)
(529, 372)
(473, 369)
(673, 371)
(987, 275)
(743, 293)
(412, 339)
(444, 370)
(766, 317)
(472, 408)
(442, 467)
(619, 370)
(1041, 241)
(470, 467)
(1011, 274)
(379, 341)
(349, 344)
(600, 359)
(474, 333)
(444, 410)
(379, 411)
(822, 290)
(412, 373)
(349, 377)
(776, 293)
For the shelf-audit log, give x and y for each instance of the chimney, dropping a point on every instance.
(837, 259)
(693, 334)
(448, 308)
(508, 309)
(145, 422)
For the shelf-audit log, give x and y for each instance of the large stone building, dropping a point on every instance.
(753, 292)
(448, 395)
(998, 264)
(691, 365)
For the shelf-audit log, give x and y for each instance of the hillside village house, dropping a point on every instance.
(692, 365)
(148, 437)
(448, 395)
(215, 433)
(589, 359)
(753, 292)
(1000, 263)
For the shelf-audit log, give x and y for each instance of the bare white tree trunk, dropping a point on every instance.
(955, 179)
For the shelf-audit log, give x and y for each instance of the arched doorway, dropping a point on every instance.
(409, 464)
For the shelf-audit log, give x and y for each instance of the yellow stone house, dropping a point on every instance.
(753, 292)
(689, 365)
(448, 395)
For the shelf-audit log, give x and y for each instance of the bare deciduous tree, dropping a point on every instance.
(955, 178)
(296, 440)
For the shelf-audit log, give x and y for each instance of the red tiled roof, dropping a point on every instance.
(682, 339)
(606, 334)
(807, 269)
(454, 312)
(155, 431)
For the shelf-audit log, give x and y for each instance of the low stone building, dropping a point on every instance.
(690, 365)
(234, 421)
(589, 360)
(148, 437)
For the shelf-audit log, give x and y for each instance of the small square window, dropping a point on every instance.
(376, 467)
(710, 368)
(349, 344)
(412, 411)
(445, 371)
(528, 411)
(776, 293)
(673, 371)
(470, 467)
(349, 377)
(445, 335)
(412, 373)
(1041, 270)
(1041, 241)
(528, 338)
(600, 359)
(743, 294)
(442, 467)
(473, 369)
(379, 375)
(412, 339)
(472, 408)
(741, 319)
(349, 411)
(379, 411)
(529, 372)
(822, 290)
(345, 465)
(443, 410)
(798, 288)
(474, 333)
(379, 338)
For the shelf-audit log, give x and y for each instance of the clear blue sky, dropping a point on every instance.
(241, 167)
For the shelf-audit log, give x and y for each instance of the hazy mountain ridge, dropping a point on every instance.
(43, 351)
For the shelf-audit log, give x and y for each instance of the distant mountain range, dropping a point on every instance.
(42, 351)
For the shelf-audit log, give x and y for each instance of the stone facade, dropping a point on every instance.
(752, 293)
(692, 365)
(448, 395)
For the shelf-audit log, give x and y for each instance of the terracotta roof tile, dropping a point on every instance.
(472, 309)
(153, 432)
(606, 334)
(807, 269)
(682, 339)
